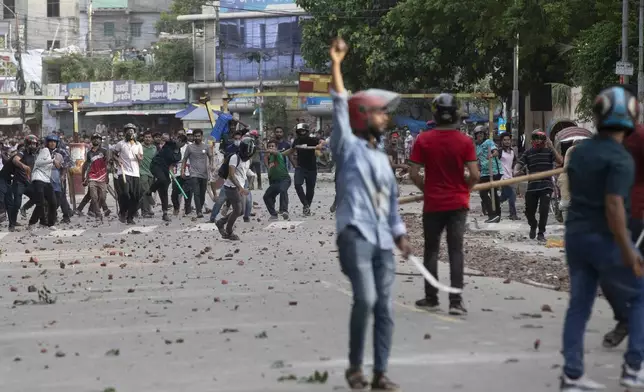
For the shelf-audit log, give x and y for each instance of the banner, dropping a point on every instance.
(118, 93)
(314, 83)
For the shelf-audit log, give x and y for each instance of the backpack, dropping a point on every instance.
(224, 168)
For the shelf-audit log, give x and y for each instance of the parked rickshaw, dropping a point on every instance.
(563, 140)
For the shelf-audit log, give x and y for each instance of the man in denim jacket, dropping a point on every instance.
(368, 222)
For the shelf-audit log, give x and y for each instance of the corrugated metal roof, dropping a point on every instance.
(109, 4)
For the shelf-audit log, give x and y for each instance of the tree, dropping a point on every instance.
(168, 22)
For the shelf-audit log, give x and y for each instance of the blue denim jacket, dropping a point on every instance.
(366, 188)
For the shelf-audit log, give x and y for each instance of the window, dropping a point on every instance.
(9, 10)
(232, 34)
(53, 44)
(53, 8)
(262, 36)
(108, 29)
(135, 29)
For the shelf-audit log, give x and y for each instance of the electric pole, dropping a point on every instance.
(624, 37)
(515, 93)
(220, 45)
(90, 13)
(640, 66)
(20, 77)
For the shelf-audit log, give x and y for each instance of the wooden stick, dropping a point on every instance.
(495, 184)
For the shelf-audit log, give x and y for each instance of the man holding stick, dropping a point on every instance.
(598, 245)
(367, 220)
(445, 153)
(540, 158)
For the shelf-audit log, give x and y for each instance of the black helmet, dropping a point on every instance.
(97, 136)
(129, 126)
(246, 148)
(444, 109)
(302, 129)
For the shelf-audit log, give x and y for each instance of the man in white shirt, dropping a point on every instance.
(508, 160)
(238, 167)
(128, 154)
(42, 191)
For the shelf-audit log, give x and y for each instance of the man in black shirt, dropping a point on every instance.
(6, 197)
(306, 170)
(23, 163)
(541, 157)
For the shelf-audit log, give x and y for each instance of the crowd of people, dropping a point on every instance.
(135, 165)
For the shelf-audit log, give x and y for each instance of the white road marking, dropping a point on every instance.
(201, 227)
(141, 229)
(283, 225)
(66, 233)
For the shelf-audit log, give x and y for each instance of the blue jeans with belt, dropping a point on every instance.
(594, 258)
(371, 271)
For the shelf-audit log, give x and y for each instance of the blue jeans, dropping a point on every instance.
(593, 258)
(508, 194)
(274, 189)
(371, 271)
(221, 199)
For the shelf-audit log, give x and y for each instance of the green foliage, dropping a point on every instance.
(168, 22)
(173, 61)
(274, 110)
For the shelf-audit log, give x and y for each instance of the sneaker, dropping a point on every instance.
(514, 218)
(356, 380)
(306, 210)
(175, 212)
(199, 215)
(285, 216)
(541, 237)
(130, 222)
(231, 237)
(495, 219)
(23, 212)
(533, 232)
(107, 212)
(615, 337)
(631, 378)
(147, 215)
(221, 224)
(79, 212)
(579, 385)
(273, 218)
(66, 220)
(457, 309)
(382, 383)
(429, 304)
(12, 229)
(166, 218)
(246, 219)
(122, 219)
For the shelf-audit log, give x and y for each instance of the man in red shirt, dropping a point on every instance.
(444, 153)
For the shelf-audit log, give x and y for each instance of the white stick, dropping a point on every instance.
(430, 278)
(639, 240)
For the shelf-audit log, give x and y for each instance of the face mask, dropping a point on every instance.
(237, 142)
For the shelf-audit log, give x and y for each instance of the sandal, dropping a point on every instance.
(356, 380)
(382, 383)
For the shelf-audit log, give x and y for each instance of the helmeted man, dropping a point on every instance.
(368, 223)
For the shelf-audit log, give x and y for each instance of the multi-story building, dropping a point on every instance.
(260, 42)
(52, 24)
(122, 24)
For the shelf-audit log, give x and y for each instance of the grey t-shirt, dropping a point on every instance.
(198, 155)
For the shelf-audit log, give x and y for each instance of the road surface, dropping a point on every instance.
(173, 308)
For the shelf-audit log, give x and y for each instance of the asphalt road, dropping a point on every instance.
(174, 308)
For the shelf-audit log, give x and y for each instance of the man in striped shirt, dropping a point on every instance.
(541, 157)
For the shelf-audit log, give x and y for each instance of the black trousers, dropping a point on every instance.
(198, 187)
(161, 185)
(433, 225)
(309, 177)
(129, 196)
(43, 194)
(486, 199)
(176, 196)
(540, 199)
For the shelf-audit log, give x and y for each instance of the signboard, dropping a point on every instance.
(624, 68)
(256, 5)
(502, 127)
(242, 100)
(118, 93)
(314, 83)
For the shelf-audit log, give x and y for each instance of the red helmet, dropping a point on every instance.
(363, 102)
(254, 133)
